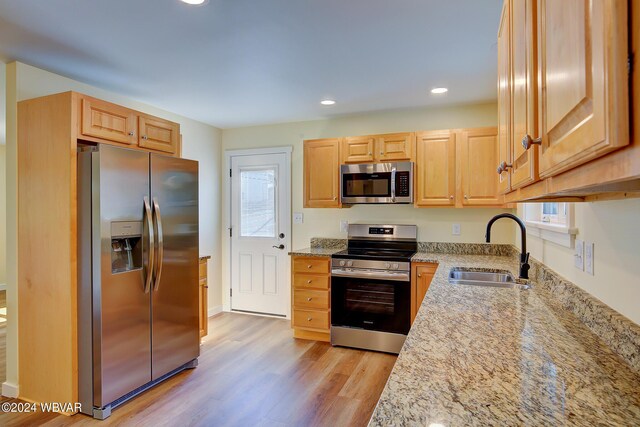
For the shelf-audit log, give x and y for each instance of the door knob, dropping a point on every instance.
(281, 246)
(527, 141)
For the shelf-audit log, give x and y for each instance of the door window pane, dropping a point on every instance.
(258, 203)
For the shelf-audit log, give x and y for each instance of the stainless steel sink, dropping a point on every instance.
(500, 279)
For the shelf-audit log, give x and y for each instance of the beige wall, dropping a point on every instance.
(614, 228)
(3, 178)
(201, 142)
(434, 224)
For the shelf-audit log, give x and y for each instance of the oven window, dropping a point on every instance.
(373, 304)
(368, 298)
(367, 185)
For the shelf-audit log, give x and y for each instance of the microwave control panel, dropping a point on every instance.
(402, 184)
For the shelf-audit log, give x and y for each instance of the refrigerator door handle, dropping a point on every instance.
(152, 247)
(158, 220)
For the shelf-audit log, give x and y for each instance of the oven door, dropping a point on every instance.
(371, 301)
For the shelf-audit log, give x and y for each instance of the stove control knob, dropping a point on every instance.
(342, 263)
(349, 263)
(395, 266)
(387, 265)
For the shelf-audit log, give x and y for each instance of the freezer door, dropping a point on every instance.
(121, 307)
(174, 307)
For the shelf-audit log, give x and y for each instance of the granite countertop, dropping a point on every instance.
(492, 356)
(319, 252)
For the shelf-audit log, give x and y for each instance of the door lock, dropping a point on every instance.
(281, 235)
(281, 246)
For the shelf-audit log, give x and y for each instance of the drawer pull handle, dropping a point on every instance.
(309, 266)
(309, 281)
(309, 299)
(309, 319)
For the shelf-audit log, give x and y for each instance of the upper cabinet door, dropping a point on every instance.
(395, 147)
(358, 149)
(583, 81)
(504, 100)
(322, 173)
(478, 150)
(524, 160)
(101, 119)
(435, 168)
(160, 135)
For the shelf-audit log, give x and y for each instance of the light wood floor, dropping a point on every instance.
(253, 373)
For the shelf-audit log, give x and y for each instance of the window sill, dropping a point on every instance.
(556, 233)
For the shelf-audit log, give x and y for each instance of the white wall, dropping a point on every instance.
(614, 228)
(201, 142)
(434, 224)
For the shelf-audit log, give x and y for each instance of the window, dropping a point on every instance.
(258, 203)
(552, 221)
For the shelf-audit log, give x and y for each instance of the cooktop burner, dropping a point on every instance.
(376, 254)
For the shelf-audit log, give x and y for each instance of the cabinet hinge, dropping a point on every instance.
(230, 292)
(230, 172)
(230, 231)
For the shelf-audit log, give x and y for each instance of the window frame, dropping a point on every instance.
(559, 230)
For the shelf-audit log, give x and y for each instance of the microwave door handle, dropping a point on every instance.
(393, 184)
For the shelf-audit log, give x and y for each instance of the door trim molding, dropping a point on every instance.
(226, 218)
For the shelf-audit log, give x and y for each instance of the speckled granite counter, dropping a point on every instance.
(315, 251)
(491, 356)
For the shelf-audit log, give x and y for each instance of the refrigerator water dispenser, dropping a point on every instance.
(126, 246)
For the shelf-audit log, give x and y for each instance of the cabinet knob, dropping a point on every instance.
(451, 197)
(309, 281)
(502, 167)
(309, 299)
(309, 319)
(131, 133)
(309, 266)
(419, 274)
(370, 153)
(382, 152)
(145, 137)
(335, 198)
(527, 141)
(466, 197)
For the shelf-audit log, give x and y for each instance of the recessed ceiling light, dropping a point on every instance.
(327, 102)
(439, 90)
(194, 2)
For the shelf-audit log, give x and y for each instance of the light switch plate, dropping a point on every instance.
(344, 225)
(578, 256)
(455, 230)
(588, 257)
(298, 218)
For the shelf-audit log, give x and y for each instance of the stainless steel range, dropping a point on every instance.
(371, 287)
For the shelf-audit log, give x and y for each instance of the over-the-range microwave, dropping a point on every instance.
(376, 183)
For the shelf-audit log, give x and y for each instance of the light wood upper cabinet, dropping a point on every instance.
(104, 120)
(358, 149)
(157, 134)
(504, 98)
(582, 64)
(322, 173)
(395, 147)
(478, 153)
(524, 162)
(435, 174)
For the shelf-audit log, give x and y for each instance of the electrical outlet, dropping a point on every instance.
(298, 218)
(578, 256)
(588, 257)
(344, 225)
(455, 230)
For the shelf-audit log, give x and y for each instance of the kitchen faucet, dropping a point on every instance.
(524, 255)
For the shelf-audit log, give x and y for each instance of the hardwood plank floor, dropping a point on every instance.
(252, 373)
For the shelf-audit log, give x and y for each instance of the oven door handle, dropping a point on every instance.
(393, 183)
(380, 275)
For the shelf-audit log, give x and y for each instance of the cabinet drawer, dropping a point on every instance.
(310, 281)
(311, 265)
(305, 298)
(202, 269)
(315, 319)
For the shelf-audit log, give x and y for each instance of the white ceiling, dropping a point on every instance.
(240, 62)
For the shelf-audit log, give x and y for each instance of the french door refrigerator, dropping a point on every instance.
(138, 273)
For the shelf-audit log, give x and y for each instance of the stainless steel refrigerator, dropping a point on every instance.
(138, 273)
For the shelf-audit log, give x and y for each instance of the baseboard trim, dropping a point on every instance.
(214, 310)
(10, 389)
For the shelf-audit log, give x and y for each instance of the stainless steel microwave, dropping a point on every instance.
(376, 183)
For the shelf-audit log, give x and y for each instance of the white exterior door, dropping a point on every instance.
(260, 233)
